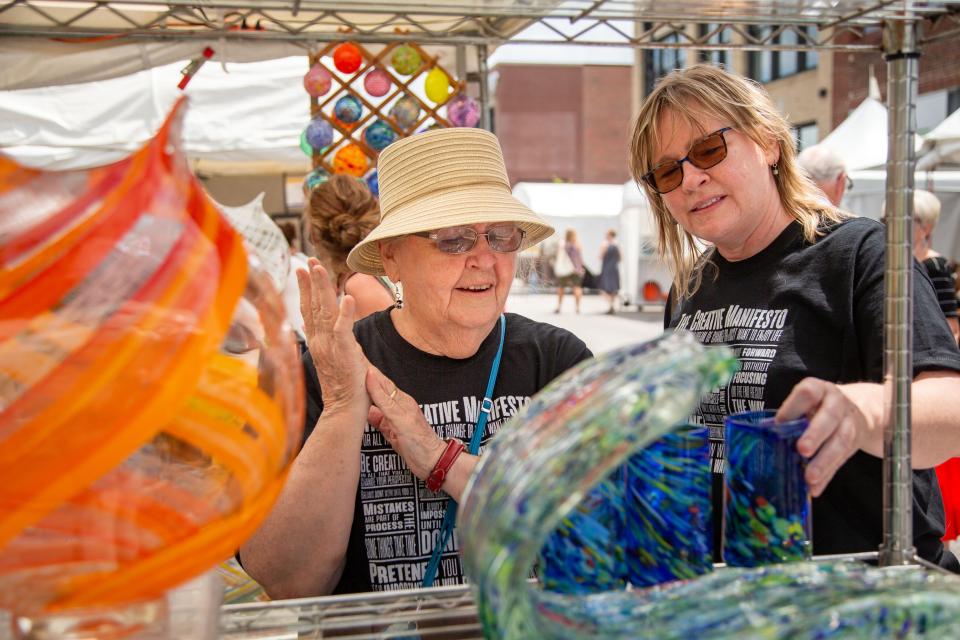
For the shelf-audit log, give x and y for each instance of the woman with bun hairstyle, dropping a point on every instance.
(340, 213)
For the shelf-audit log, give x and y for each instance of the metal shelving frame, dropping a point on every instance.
(636, 23)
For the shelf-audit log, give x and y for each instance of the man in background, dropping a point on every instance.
(827, 169)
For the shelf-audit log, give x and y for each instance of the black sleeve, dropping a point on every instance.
(668, 308)
(941, 276)
(933, 345)
(313, 398)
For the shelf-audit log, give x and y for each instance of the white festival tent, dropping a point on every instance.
(861, 139)
(868, 193)
(942, 145)
(590, 209)
(242, 118)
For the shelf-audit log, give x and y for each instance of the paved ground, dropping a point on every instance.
(600, 331)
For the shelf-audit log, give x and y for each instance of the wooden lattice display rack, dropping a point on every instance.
(376, 108)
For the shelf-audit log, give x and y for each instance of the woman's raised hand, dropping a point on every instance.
(338, 358)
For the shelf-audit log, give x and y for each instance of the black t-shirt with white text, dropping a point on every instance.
(797, 309)
(397, 519)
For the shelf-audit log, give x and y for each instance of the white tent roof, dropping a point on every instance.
(861, 139)
(942, 145)
(564, 200)
(249, 113)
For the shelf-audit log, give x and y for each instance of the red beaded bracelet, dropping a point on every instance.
(444, 464)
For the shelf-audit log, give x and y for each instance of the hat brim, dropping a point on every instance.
(474, 204)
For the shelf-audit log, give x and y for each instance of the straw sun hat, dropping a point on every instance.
(443, 178)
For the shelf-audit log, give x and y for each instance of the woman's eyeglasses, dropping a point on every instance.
(708, 151)
(502, 238)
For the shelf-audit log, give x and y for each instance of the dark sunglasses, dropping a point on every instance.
(502, 238)
(708, 151)
(849, 183)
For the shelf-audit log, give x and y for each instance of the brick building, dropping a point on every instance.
(566, 123)
(938, 90)
(572, 123)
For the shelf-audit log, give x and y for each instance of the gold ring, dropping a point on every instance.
(393, 393)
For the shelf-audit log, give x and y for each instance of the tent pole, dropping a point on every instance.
(484, 87)
(901, 52)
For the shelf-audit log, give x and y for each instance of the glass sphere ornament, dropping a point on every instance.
(317, 81)
(405, 111)
(351, 160)
(314, 179)
(347, 57)
(463, 111)
(319, 134)
(437, 85)
(406, 60)
(378, 135)
(373, 183)
(377, 83)
(189, 408)
(348, 109)
(304, 145)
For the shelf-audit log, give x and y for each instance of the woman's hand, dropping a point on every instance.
(839, 426)
(398, 417)
(341, 365)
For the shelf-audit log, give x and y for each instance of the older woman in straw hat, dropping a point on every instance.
(400, 402)
(795, 286)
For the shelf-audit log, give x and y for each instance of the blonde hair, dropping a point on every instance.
(926, 208)
(705, 89)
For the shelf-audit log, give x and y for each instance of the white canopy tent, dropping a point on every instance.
(638, 243)
(869, 190)
(245, 118)
(590, 209)
(861, 139)
(942, 145)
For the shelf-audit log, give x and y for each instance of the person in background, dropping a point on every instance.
(610, 270)
(926, 214)
(393, 399)
(339, 214)
(568, 269)
(795, 287)
(827, 171)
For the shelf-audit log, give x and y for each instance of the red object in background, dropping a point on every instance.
(948, 474)
(347, 58)
(191, 68)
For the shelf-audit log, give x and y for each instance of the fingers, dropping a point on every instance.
(833, 433)
(805, 399)
(383, 392)
(306, 301)
(832, 455)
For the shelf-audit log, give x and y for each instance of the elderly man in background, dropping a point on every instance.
(827, 170)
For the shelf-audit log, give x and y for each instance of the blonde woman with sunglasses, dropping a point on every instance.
(795, 287)
(400, 403)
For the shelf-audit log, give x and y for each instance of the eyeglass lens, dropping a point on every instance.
(501, 238)
(705, 153)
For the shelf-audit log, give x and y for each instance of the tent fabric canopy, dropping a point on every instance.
(861, 139)
(31, 63)
(92, 124)
(942, 145)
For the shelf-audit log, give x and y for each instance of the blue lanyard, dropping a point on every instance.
(450, 516)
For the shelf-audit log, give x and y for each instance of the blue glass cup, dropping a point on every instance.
(667, 517)
(767, 513)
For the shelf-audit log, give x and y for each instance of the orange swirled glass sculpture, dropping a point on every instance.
(150, 391)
